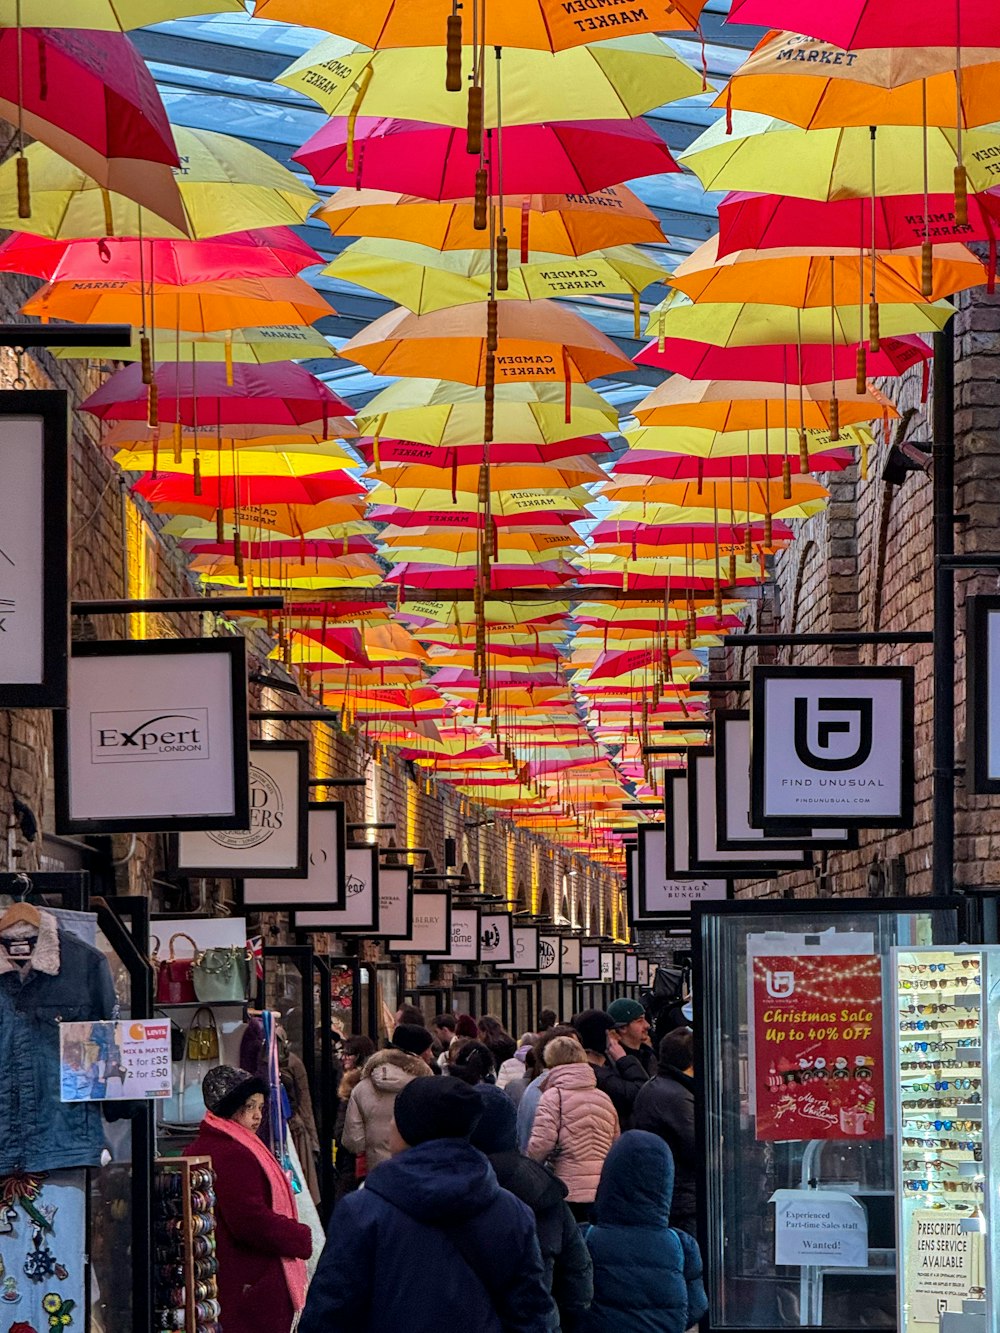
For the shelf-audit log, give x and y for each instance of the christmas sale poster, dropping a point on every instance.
(818, 1058)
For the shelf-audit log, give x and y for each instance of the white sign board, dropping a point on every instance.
(107, 1061)
(660, 893)
(361, 880)
(431, 924)
(464, 936)
(548, 955)
(819, 1229)
(496, 944)
(325, 885)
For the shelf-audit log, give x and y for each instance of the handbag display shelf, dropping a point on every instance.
(186, 1296)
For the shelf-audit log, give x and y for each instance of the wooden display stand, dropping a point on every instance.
(175, 1245)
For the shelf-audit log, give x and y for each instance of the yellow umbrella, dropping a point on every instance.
(686, 502)
(105, 15)
(245, 461)
(601, 81)
(503, 476)
(266, 343)
(530, 499)
(705, 443)
(728, 405)
(226, 185)
(424, 279)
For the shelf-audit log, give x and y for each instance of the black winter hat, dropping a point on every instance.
(497, 1128)
(225, 1089)
(412, 1039)
(592, 1027)
(436, 1108)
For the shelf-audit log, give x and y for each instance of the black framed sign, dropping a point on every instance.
(525, 940)
(607, 965)
(631, 968)
(832, 746)
(34, 548)
(704, 854)
(590, 962)
(619, 966)
(632, 881)
(326, 885)
(361, 887)
(570, 956)
(733, 830)
(496, 941)
(549, 955)
(394, 918)
(431, 924)
(465, 933)
(155, 738)
(276, 841)
(667, 886)
(642, 972)
(982, 717)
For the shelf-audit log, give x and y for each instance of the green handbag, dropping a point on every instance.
(222, 974)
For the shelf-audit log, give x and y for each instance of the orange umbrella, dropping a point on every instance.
(557, 224)
(536, 340)
(728, 405)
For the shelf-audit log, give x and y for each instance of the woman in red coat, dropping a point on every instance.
(261, 1246)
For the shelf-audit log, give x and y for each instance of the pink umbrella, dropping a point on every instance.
(852, 24)
(778, 222)
(271, 252)
(466, 519)
(565, 157)
(780, 363)
(673, 467)
(279, 394)
(409, 451)
(680, 534)
(413, 575)
(90, 97)
(298, 551)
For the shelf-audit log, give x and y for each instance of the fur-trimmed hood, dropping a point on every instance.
(390, 1071)
(44, 956)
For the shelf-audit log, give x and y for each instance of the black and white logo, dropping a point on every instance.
(833, 735)
(355, 885)
(130, 737)
(267, 814)
(546, 955)
(490, 938)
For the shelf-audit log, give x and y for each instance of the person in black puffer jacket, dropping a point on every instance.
(568, 1270)
(665, 1106)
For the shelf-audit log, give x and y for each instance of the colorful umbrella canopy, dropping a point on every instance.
(90, 98)
(776, 221)
(577, 157)
(449, 414)
(544, 25)
(424, 280)
(612, 80)
(782, 363)
(804, 280)
(279, 342)
(552, 223)
(732, 405)
(865, 23)
(768, 155)
(198, 307)
(227, 185)
(540, 341)
(106, 15)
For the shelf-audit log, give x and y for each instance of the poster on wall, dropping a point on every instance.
(525, 942)
(431, 924)
(155, 737)
(496, 943)
(818, 1067)
(665, 891)
(982, 718)
(832, 747)
(590, 962)
(549, 955)
(276, 841)
(361, 887)
(101, 1060)
(325, 886)
(465, 933)
(570, 957)
(34, 549)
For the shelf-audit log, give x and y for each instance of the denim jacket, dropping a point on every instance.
(67, 980)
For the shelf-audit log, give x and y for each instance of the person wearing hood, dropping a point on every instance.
(260, 1244)
(619, 1073)
(568, 1273)
(647, 1277)
(665, 1106)
(432, 1244)
(369, 1111)
(575, 1124)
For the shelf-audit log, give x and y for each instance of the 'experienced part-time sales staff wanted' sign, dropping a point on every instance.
(832, 747)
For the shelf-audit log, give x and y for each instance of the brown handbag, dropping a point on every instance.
(175, 979)
(203, 1036)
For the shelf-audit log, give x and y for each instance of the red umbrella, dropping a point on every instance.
(778, 222)
(409, 451)
(671, 467)
(682, 534)
(90, 97)
(457, 518)
(851, 24)
(299, 551)
(279, 394)
(177, 489)
(412, 575)
(566, 157)
(269, 252)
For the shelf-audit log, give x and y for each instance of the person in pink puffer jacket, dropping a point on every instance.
(575, 1124)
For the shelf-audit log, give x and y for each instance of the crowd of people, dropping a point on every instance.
(483, 1182)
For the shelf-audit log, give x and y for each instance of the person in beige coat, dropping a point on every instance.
(575, 1124)
(369, 1111)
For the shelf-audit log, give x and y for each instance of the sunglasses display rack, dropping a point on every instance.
(942, 1018)
(185, 1289)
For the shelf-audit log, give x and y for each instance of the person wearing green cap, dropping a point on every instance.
(632, 1033)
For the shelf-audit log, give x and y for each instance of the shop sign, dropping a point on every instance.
(982, 720)
(704, 853)
(607, 965)
(819, 1229)
(548, 955)
(832, 747)
(570, 958)
(526, 949)
(325, 886)
(464, 936)
(667, 889)
(590, 962)
(631, 968)
(618, 966)
(431, 932)
(361, 888)
(155, 737)
(106, 1061)
(394, 917)
(34, 545)
(496, 944)
(276, 841)
(643, 972)
(818, 1065)
(940, 1263)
